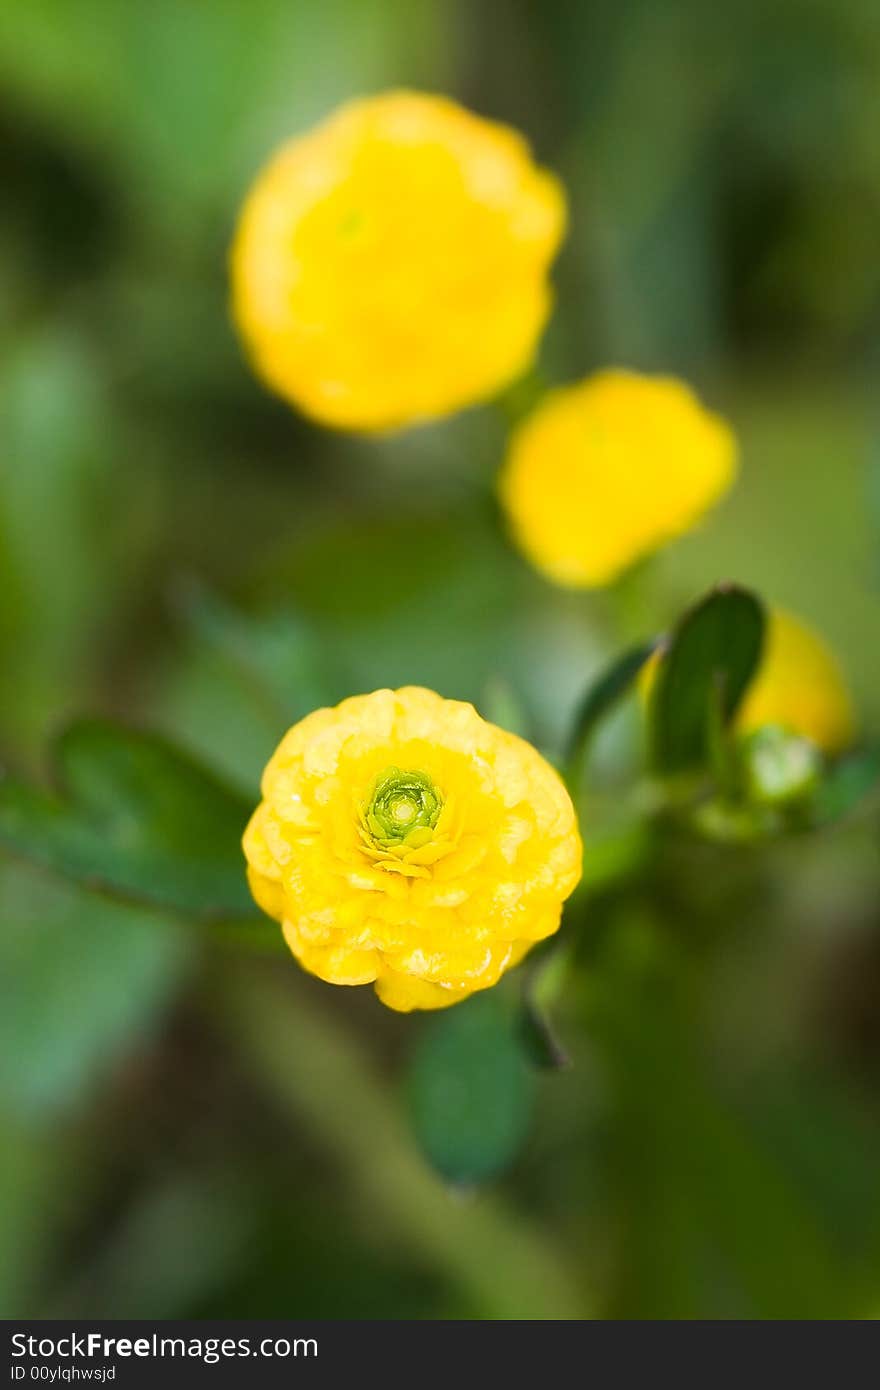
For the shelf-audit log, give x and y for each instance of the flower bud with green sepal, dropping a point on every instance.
(405, 806)
(778, 768)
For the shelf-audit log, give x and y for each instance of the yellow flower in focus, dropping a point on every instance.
(606, 471)
(404, 841)
(390, 265)
(799, 686)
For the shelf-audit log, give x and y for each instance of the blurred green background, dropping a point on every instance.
(191, 1130)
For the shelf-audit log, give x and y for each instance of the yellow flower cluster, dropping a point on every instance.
(404, 841)
(602, 473)
(390, 266)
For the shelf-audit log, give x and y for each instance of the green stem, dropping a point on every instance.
(631, 600)
(321, 1076)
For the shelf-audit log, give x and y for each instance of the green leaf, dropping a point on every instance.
(845, 784)
(539, 1038)
(275, 653)
(470, 1090)
(82, 980)
(711, 656)
(136, 817)
(606, 690)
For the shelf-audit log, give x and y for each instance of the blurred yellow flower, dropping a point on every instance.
(390, 265)
(404, 841)
(606, 471)
(799, 686)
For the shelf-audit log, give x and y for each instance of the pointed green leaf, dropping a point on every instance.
(542, 1045)
(133, 816)
(544, 981)
(610, 686)
(711, 656)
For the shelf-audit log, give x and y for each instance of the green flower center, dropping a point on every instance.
(402, 804)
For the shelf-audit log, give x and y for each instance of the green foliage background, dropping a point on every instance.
(194, 1129)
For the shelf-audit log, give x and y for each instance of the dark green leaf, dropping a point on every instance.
(133, 816)
(538, 1036)
(711, 655)
(603, 694)
(469, 1090)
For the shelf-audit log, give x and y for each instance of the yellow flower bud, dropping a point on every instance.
(799, 686)
(404, 841)
(604, 472)
(390, 265)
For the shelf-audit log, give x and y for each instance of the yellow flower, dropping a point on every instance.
(404, 841)
(799, 686)
(390, 265)
(606, 471)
